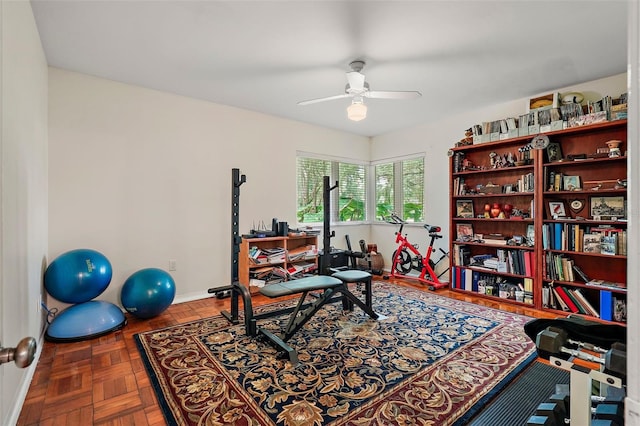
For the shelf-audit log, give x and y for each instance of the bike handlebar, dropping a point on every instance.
(394, 219)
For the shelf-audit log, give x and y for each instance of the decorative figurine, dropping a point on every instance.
(614, 148)
(508, 208)
(495, 210)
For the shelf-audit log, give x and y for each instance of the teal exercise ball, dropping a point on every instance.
(78, 276)
(148, 292)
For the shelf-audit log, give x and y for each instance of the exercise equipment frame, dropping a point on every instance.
(330, 287)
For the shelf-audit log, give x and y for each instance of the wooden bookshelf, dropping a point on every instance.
(289, 246)
(583, 193)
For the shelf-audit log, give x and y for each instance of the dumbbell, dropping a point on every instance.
(552, 341)
(610, 412)
(541, 421)
(549, 414)
(583, 345)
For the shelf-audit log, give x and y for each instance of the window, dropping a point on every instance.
(348, 201)
(399, 187)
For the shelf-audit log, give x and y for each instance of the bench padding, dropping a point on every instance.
(352, 276)
(317, 282)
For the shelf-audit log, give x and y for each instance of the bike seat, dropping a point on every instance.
(432, 229)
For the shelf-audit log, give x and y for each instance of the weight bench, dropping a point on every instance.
(326, 289)
(330, 287)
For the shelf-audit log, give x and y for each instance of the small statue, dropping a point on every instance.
(498, 161)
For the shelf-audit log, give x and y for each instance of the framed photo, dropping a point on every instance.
(531, 234)
(608, 208)
(556, 209)
(464, 231)
(554, 152)
(464, 208)
(571, 183)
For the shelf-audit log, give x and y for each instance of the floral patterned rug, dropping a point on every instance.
(432, 361)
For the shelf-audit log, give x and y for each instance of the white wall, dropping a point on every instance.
(632, 404)
(435, 138)
(144, 176)
(23, 192)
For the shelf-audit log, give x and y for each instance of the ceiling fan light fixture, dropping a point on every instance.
(357, 111)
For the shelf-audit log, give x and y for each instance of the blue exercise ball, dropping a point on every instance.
(78, 276)
(85, 321)
(148, 292)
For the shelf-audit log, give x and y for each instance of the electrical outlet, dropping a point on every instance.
(172, 264)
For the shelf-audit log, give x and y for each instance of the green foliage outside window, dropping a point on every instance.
(399, 187)
(351, 204)
(400, 184)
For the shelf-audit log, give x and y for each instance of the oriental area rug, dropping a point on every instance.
(432, 361)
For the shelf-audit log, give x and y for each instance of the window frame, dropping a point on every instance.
(334, 200)
(398, 186)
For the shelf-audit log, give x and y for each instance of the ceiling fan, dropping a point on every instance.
(357, 88)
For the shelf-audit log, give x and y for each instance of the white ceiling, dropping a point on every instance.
(266, 56)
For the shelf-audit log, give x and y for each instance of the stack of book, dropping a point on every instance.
(568, 299)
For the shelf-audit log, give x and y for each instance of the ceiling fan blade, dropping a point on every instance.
(356, 81)
(329, 98)
(376, 94)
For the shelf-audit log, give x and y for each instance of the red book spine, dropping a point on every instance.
(572, 306)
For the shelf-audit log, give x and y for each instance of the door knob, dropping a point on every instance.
(22, 354)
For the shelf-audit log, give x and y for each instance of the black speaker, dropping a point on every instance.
(283, 229)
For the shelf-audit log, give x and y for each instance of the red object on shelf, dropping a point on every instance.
(495, 210)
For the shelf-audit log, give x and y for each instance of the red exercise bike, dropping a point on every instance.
(407, 257)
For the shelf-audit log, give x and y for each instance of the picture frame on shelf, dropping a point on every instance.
(571, 183)
(556, 209)
(591, 243)
(464, 209)
(464, 231)
(531, 234)
(607, 207)
(554, 152)
(576, 205)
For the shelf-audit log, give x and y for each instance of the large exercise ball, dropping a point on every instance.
(78, 276)
(148, 292)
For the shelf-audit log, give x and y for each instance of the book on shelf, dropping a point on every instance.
(572, 295)
(528, 285)
(609, 244)
(468, 279)
(261, 272)
(606, 305)
(605, 283)
(591, 242)
(553, 300)
(496, 239)
(564, 297)
(300, 253)
(585, 302)
(581, 273)
(546, 294)
(560, 301)
(257, 282)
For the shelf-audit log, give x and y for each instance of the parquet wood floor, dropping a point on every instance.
(103, 382)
